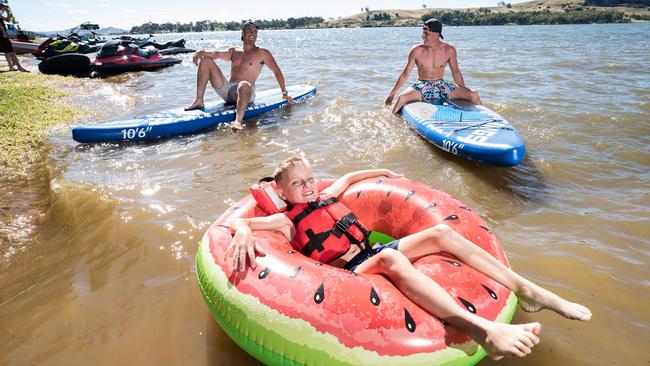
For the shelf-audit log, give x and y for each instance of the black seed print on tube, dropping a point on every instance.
(453, 263)
(319, 296)
(295, 272)
(451, 217)
(489, 291)
(486, 229)
(374, 297)
(409, 195)
(264, 273)
(431, 205)
(468, 305)
(408, 320)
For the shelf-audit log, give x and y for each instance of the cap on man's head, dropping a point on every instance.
(4, 3)
(246, 24)
(434, 25)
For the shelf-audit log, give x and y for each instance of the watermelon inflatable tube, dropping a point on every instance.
(292, 310)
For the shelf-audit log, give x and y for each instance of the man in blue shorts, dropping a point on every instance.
(431, 57)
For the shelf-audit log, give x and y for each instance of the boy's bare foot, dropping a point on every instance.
(22, 69)
(535, 298)
(236, 126)
(501, 340)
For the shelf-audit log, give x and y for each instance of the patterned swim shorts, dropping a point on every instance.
(434, 91)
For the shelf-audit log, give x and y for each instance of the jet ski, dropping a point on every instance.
(59, 46)
(120, 56)
(73, 42)
(74, 64)
(167, 48)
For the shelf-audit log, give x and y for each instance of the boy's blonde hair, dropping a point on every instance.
(287, 164)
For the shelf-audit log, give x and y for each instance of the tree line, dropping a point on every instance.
(484, 16)
(631, 3)
(211, 26)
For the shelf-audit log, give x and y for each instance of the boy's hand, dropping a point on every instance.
(242, 245)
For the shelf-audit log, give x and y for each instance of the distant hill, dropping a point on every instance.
(111, 31)
(108, 31)
(631, 10)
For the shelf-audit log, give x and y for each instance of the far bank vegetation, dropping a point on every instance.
(533, 12)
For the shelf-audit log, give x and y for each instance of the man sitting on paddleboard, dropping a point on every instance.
(431, 57)
(246, 65)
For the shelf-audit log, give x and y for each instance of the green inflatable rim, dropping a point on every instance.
(275, 339)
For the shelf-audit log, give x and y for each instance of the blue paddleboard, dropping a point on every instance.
(471, 131)
(180, 122)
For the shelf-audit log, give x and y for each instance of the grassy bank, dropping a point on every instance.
(29, 106)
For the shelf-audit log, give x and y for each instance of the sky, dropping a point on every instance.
(54, 15)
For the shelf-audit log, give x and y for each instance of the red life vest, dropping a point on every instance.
(325, 229)
(266, 197)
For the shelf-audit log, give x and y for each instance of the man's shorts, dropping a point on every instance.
(228, 91)
(433, 91)
(369, 253)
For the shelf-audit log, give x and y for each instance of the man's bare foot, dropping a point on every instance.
(236, 126)
(22, 69)
(535, 298)
(503, 340)
(196, 105)
(475, 98)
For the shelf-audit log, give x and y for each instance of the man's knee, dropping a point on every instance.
(208, 65)
(244, 86)
(403, 98)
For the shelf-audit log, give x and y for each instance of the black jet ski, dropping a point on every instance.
(74, 64)
(113, 57)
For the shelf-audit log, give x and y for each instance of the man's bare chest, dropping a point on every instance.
(432, 60)
(244, 61)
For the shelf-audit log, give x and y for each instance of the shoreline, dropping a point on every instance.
(32, 104)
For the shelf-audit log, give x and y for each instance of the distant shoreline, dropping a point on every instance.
(549, 12)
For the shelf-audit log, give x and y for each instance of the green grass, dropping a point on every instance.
(30, 104)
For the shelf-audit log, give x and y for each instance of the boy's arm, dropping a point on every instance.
(345, 181)
(243, 244)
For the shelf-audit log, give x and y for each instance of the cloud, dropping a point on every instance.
(49, 3)
(126, 11)
(64, 5)
(104, 5)
(77, 11)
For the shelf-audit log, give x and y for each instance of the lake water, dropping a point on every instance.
(98, 250)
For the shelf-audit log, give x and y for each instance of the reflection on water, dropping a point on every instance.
(109, 273)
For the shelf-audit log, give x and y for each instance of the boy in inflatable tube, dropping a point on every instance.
(297, 186)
